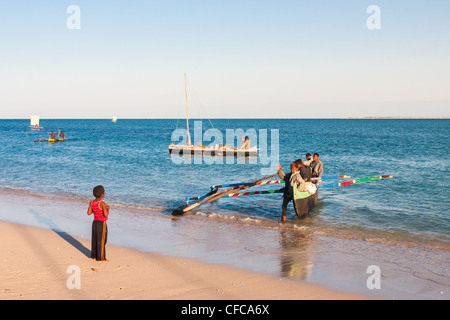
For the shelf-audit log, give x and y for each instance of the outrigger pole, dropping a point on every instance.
(335, 177)
(242, 194)
(271, 182)
(214, 194)
(215, 187)
(233, 190)
(353, 181)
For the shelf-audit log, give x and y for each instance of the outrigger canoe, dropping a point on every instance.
(304, 202)
(50, 140)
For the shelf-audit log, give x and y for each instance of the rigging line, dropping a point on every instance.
(179, 108)
(203, 108)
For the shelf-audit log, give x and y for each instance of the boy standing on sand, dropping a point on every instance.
(99, 228)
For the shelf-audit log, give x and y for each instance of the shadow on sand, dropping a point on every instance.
(74, 242)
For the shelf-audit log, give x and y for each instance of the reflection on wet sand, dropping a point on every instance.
(295, 261)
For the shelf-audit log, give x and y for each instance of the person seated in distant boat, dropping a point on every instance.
(61, 135)
(52, 135)
(246, 144)
(289, 180)
(316, 166)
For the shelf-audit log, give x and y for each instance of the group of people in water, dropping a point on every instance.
(302, 172)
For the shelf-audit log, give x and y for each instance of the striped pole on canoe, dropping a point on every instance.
(271, 182)
(334, 177)
(242, 194)
(246, 184)
(346, 183)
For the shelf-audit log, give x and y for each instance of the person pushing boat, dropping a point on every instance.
(305, 171)
(289, 180)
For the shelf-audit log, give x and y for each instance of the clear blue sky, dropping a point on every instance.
(246, 58)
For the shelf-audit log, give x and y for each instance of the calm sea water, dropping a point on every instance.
(130, 158)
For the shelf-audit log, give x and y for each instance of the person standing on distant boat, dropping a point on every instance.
(308, 160)
(61, 135)
(99, 228)
(52, 135)
(289, 180)
(316, 166)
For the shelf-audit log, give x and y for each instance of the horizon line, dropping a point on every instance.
(243, 118)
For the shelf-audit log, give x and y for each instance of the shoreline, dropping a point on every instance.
(337, 267)
(37, 264)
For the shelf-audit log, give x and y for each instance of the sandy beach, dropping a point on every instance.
(45, 254)
(36, 264)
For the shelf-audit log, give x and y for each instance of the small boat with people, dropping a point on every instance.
(216, 150)
(34, 123)
(52, 138)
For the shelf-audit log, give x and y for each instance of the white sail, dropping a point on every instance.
(34, 121)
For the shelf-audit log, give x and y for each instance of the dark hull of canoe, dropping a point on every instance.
(304, 206)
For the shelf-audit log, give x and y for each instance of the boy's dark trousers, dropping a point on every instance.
(99, 237)
(284, 205)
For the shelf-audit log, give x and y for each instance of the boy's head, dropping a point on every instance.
(308, 156)
(98, 191)
(316, 156)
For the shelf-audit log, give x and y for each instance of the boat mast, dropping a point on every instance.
(188, 138)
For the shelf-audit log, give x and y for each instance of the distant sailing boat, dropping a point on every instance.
(219, 150)
(34, 123)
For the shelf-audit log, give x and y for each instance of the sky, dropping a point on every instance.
(243, 59)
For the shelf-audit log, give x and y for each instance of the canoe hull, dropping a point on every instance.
(303, 206)
(183, 150)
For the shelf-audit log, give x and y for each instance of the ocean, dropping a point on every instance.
(143, 182)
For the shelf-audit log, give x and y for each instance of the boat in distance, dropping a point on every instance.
(216, 150)
(224, 151)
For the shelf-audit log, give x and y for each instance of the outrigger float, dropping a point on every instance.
(304, 202)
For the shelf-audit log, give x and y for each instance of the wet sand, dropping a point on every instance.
(38, 264)
(155, 256)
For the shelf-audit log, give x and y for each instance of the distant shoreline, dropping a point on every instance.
(345, 118)
(397, 118)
